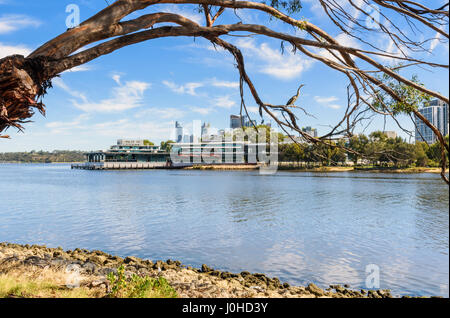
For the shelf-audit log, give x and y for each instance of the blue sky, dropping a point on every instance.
(141, 90)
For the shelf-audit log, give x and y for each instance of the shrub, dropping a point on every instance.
(138, 286)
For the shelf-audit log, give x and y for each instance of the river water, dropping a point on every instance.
(326, 228)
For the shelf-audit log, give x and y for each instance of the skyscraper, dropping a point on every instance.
(310, 131)
(205, 130)
(235, 121)
(436, 112)
(179, 132)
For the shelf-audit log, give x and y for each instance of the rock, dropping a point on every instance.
(170, 262)
(166, 266)
(99, 282)
(107, 271)
(11, 259)
(130, 260)
(188, 281)
(97, 259)
(257, 288)
(340, 289)
(36, 261)
(206, 269)
(225, 275)
(385, 293)
(89, 267)
(373, 294)
(158, 265)
(313, 289)
(58, 262)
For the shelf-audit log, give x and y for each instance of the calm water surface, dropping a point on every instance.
(301, 227)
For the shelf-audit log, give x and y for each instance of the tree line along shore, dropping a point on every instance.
(373, 152)
(28, 271)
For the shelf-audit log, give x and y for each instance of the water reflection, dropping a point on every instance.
(301, 227)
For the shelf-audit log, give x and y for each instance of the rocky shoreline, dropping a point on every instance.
(94, 266)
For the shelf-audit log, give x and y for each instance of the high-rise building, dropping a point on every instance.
(206, 130)
(310, 131)
(436, 112)
(249, 123)
(179, 132)
(390, 134)
(236, 121)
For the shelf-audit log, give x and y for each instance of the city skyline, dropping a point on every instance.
(124, 95)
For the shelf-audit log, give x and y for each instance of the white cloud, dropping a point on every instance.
(343, 40)
(114, 129)
(188, 88)
(253, 109)
(183, 11)
(13, 22)
(6, 50)
(60, 125)
(202, 110)
(328, 101)
(334, 106)
(282, 66)
(124, 96)
(437, 39)
(325, 100)
(116, 78)
(164, 113)
(58, 82)
(79, 68)
(226, 84)
(191, 87)
(224, 101)
(390, 49)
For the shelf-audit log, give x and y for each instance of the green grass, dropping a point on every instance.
(16, 287)
(139, 287)
(22, 282)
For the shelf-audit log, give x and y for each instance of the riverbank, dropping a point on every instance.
(362, 169)
(282, 167)
(39, 271)
(401, 170)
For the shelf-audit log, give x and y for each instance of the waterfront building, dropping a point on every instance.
(127, 150)
(436, 112)
(293, 139)
(209, 152)
(310, 131)
(217, 152)
(390, 134)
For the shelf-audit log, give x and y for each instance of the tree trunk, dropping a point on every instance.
(22, 82)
